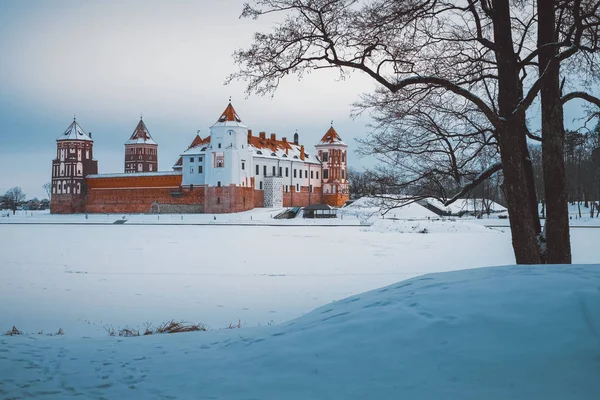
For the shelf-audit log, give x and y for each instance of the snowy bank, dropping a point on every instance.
(517, 332)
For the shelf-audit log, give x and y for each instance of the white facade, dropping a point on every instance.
(231, 155)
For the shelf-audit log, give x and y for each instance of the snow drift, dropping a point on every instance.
(517, 332)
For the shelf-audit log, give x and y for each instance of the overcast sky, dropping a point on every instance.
(108, 61)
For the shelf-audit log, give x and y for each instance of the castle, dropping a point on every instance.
(231, 170)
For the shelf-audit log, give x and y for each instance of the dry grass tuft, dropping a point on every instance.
(14, 331)
(128, 332)
(231, 326)
(178, 327)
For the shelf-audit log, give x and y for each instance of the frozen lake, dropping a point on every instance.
(84, 277)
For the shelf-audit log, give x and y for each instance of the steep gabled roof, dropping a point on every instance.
(198, 141)
(75, 132)
(140, 135)
(229, 117)
(197, 145)
(331, 137)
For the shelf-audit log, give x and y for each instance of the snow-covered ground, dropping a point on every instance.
(257, 216)
(492, 333)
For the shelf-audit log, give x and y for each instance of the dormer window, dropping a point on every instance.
(296, 157)
(274, 155)
(258, 152)
(285, 155)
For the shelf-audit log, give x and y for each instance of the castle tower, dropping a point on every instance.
(74, 161)
(229, 160)
(332, 152)
(141, 151)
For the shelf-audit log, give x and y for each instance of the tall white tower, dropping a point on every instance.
(229, 161)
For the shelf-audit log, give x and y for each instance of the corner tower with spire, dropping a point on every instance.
(333, 153)
(228, 156)
(74, 161)
(141, 151)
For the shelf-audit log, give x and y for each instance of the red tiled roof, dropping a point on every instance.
(198, 141)
(273, 145)
(229, 115)
(331, 136)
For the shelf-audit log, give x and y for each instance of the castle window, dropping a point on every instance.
(325, 157)
(265, 170)
(199, 169)
(297, 187)
(150, 167)
(295, 173)
(287, 188)
(279, 171)
(243, 165)
(287, 170)
(310, 188)
(218, 183)
(325, 174)
(257, 170)
(191, 159)
(140, 167)
(199, 159)
(260, 185)
(306, 173)
(343, 156)
(274, 169)
(343, 174)
(191, 170)
(311, 174)
(219, 145)
(219, 160)
(317, 174)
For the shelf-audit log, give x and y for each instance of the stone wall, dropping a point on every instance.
(228, 199)
(140, 200)
(303, 198)
(67, 204)
(335, 199)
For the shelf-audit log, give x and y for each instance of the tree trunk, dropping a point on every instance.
(516, 187)
(553, 134)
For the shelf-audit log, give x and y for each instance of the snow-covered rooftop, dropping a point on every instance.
(140, 135)
(280, 149)
(75, 132)
(331, 137)
(229, 118)
(135, 174)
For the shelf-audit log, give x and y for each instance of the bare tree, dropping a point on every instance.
(13, 198)
(48, 188)
(469, 49)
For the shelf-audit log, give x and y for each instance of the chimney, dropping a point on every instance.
(262, 135)
(296, 138)
(90, 135)
(249, 132)
(302, 152)
(273, 137)
(284, 140)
